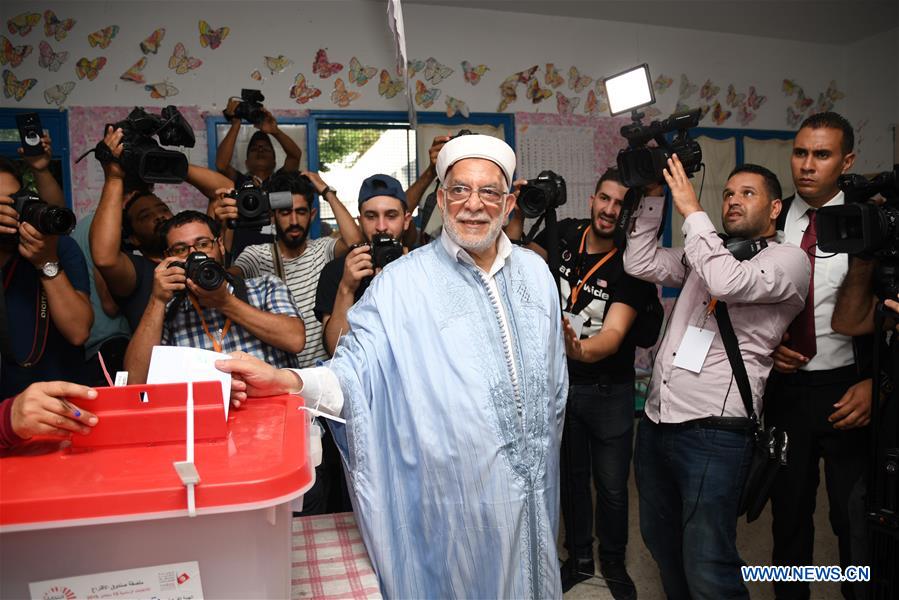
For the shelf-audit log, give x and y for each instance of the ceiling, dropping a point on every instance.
(841, 21)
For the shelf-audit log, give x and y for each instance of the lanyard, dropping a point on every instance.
(708, 312)
(41, 322)
(216, 344)
(583, 279)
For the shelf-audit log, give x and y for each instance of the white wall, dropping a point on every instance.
(867, 71)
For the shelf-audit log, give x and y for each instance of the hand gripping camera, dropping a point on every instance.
(46, 218)
(250, 108)
(203, 271)
(545, 192)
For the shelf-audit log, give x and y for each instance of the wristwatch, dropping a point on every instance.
(50, 270)
(328, 189)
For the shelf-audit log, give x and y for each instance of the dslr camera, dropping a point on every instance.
(384, 250)
(254, 205)
(250, 107)
(864, 229)
(640, 164)
(46, 218)
(545, 192)
(142, 157)
(203, 271)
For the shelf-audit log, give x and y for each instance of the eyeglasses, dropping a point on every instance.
(461, 193)
(203, 245)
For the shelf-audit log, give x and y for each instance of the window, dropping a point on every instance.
(55, 122)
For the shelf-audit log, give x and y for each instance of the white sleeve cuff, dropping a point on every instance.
(321, 390)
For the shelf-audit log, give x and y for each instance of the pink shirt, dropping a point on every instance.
(763, 296)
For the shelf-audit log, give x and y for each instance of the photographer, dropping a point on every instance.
(47, 186)
(256, 316)
(694, 443)
(599, 420)
(383, 213)
(294, 258)
(46, 295)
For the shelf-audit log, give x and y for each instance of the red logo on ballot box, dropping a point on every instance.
(182, 578)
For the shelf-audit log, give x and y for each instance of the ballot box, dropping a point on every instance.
(135, 493)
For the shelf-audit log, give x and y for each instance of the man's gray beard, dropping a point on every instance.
(489, 238)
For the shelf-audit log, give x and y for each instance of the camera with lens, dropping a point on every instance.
(46, 218)
(254, 205)
(864, 229)
(545, 192)
(384, 250)
(202, 270)
(250, 107)
(640, 164)
(142, 157)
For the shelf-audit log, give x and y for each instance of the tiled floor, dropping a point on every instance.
(753, 542)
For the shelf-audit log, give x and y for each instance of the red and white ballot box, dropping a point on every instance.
(122, 497)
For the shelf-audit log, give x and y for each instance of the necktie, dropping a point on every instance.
(802, 329)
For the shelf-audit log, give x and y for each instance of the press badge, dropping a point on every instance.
(694, 348)
(576, 322)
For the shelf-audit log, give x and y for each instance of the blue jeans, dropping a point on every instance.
(689, 480)
(598, 440)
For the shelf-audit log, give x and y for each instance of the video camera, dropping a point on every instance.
(46, 218)
(640, 164)
(250, 108)
(142, 157)
(254, 205)
(202, 270)
(864, 229)
(545, 192)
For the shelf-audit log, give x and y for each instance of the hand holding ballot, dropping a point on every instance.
(253, 377)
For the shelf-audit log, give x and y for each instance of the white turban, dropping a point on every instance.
(477, 146)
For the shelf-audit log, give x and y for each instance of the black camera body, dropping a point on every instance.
(30, 132)
(864, 229)
(46, 218)
(202, 270)
(142, 157)
(254, 205)
(250, 108)
(545, 192)
(384, 250)
(640, 164)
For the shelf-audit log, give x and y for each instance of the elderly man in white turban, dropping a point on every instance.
(452, 380)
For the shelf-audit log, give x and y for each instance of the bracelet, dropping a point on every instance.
(328, 189)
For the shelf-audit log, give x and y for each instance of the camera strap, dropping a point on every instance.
(732, 348)
(582, 279)
(276, 261)
(216, 344)
(41, 323)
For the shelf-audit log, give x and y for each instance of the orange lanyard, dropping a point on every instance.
(708, 312)
(216, 344)
(582, 280)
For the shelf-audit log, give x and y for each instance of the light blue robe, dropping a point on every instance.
(454, 497)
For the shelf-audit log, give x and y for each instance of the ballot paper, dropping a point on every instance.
(179, 581)
(179, 364)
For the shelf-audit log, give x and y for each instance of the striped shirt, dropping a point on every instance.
(301, 276)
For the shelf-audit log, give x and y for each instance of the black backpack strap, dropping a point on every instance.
(729, 338)
(782, 217)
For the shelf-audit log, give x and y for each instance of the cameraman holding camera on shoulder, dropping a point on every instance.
(384, 218)
(293, 257)
(47, 310)
(195, 303)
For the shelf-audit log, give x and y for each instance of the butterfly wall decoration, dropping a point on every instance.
(455, 106)
(341, 96)
(23, 23)
(151, 44)
(303, 92)
(425, 96)
(389, 87)
(103, 37)
(322, 67)
(473, 73)
(14, 55)
(180, 62)
(14, 88)
(359, 74)
(210, 37)
(57, 94)
(89, 68)
(49, 59)
(56, 27)
(134, 71)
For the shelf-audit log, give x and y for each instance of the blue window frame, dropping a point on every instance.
(56, 123)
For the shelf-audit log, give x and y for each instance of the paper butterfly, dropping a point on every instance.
(181, 62)
(414, 66)
(704, 110)
(50, 59)
(103, 37)
(793, 117)
(301, 92)
(134, 72)
(436, 72)
(566, 105)
(322, 67)
(824, 104)
(473, 74)
(790, 87)
(89, 68)
(57, 94)
(592, 105)
(553, 78)
(256, 75)
(389, 87)
(151, 44)
(597, 101)
(733, 98)
(662, 83)
(361, 75)
(708, 90)
(13, 88)
(212, 37)
(687, 89)
(163, 89)
(276, 64)
(578, 82)
(745, 115)
(833, 93)
(802, 103)
(526, 75)
(340, 96)
(719, 114)
(425, 96)
(14, 55)
(754, 100)
(455, 106)
(23, 23)
(508, 90)
(535, 93)
(53, 27)
(828, 98)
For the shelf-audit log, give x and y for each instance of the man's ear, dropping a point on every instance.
(407, 220)
(510, 206)
(441, 198)
(776, 206)
(848, 161)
